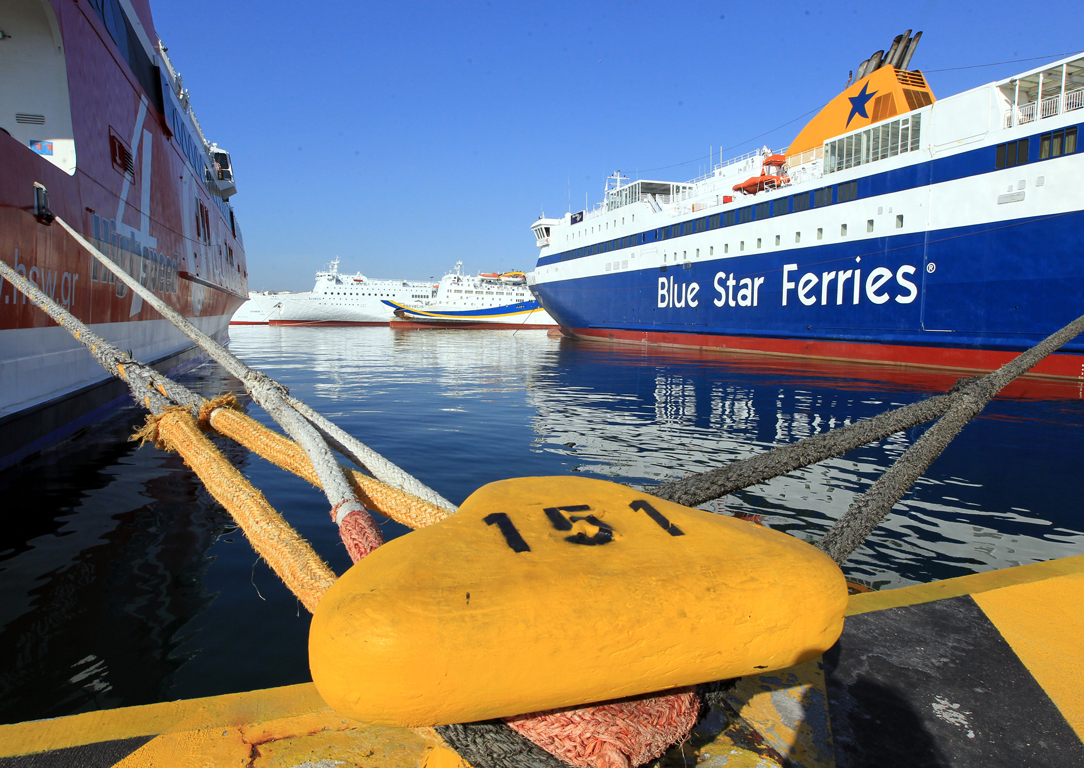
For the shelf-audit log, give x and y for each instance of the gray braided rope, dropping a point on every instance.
(867, 511)
(270, 395)
(716, 483)
(142, 380)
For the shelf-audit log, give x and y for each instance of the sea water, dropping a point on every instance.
(122, 582)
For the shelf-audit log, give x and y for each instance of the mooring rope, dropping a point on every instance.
(349, 513)
(174, 427)
(867, 511)
(272, 397)
(288, 554)
(265, 391)
(276, 541)
(953, 411)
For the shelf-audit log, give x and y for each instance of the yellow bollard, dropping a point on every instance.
(556, 592)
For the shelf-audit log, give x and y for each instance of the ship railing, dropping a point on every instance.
(1048, 107)
(741, 158)
(801, 158)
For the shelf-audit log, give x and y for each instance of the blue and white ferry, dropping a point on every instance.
(486, 300)
(895, 228)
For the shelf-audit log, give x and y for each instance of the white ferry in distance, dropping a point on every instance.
(490, 300)
(339, 299)
(894, 228)
(262, 306)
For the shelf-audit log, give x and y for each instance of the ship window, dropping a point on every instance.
(713, 221)
(741, 246)
(675, 230)
(801, 202)
(761, 211)
(745, 215)
(869, 225)
(899, 221)
(797, 237)
(1057, 143)
(728, 219)
(777, 239)
(822, 197)
(1012, 154)
(711, 250)
(726, 247)
(758, 242)
(847, 191)
(820, 233)
(842, 230)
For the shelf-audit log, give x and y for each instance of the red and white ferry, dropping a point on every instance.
(96, 128)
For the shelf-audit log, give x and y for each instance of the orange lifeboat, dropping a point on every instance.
(767, 179)
(760, 183)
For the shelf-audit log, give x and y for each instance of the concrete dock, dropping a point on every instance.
(981, 670)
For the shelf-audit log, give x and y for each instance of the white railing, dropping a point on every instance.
(1048, 107)
(1026, 113)
(817, 153)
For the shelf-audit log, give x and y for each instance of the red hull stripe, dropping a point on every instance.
(316, 322)
(453, 324)
(1059, 365)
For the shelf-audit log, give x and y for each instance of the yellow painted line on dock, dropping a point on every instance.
(276, 726)
(973, 584)
(1043, 622)
(154, 719)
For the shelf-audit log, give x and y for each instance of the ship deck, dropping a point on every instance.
(980, 670)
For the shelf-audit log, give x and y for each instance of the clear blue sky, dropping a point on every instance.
(404, 136)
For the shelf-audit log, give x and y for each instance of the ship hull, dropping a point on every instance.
(520, 315)
(28, 430)
(989, 297)
(937, 257)
(154, 217)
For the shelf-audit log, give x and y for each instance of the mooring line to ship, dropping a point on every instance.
(512, 742)
(275, 399)
(953, 411)
(179, 418)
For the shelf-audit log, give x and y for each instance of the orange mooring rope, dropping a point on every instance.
(403, 507)
(288, 554)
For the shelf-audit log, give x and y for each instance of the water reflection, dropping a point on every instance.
(122, 582)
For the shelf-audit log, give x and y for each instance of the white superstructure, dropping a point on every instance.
(338, 299)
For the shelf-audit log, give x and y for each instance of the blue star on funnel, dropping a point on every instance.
(858, 104)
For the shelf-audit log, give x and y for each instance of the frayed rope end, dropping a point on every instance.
(149, 432)
(222, 401)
